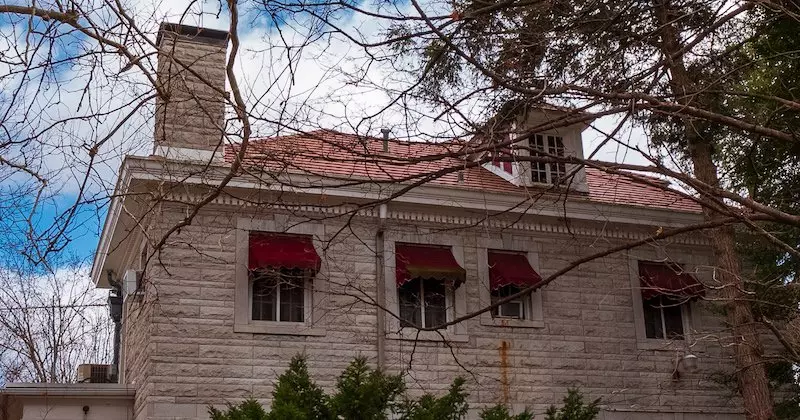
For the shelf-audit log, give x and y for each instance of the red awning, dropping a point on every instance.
(425, 261)
(668, 280)
(274, 250)
(511, 268)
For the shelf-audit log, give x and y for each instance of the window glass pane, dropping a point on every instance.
(558, 170)
(539, 172)
(673, 320)
(539, 142)
(435, 302)
(512, 309)
(410, 308)
(265, 296)
(292, 297)
(652, 318)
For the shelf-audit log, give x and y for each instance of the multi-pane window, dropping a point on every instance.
(663, 317)
(423, 302)
(278, 295)
(545, 172)
(512, 309)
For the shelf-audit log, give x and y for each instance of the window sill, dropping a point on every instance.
(410, 334)
(279, 328)
(660, 344)
(511, 322)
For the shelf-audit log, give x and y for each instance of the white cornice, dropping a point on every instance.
(422, 216)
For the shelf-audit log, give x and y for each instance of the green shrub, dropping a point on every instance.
(451, 406)
(364, 393)
(574, 408)
(246, 410)
(500, 412)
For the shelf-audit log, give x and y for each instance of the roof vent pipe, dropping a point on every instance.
(385, 132)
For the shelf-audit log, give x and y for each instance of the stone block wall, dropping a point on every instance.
(183, 353)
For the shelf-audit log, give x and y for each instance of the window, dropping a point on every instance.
(278, 295)
(423, 283)
(509, 273)
(425, 276)
(543, 172)
(667, 291)
(279, 276)
(514, 309)
(663, 318)
(423, 302)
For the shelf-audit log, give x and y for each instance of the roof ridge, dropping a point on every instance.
(317, 132)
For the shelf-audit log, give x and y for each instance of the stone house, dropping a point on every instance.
(320, 246)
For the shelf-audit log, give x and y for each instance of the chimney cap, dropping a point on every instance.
(193, 33)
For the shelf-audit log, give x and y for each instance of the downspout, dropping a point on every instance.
(115, 311)
(380, 287)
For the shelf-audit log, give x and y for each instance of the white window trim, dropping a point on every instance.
(456, 306)
(534, 316)
(688, 315)
(316, 288)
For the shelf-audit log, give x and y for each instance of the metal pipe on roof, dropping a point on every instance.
(385, 132)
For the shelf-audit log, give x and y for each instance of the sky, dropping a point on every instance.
(317, 88)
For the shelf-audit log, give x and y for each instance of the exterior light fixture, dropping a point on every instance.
(691, 363)
(688, 363)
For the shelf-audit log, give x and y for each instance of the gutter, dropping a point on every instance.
(69, 390)
(115, 302)
(380, 287)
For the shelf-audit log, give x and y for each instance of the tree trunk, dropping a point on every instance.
(750, 370)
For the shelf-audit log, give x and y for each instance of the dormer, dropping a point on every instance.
(522, 122)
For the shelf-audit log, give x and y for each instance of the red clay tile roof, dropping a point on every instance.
(615, 189)
(349, 157)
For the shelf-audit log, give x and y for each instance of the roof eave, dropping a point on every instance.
(150, 170)
(83, 390)
(109, 225)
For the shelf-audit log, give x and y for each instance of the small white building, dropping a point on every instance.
(86, 401)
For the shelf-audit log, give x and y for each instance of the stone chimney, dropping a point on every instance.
(191, 70)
